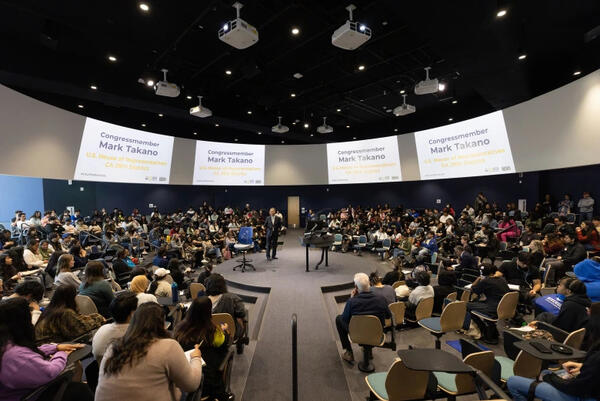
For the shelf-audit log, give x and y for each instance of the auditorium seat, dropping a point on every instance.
(221, 318)
(362, 243)
(366, 331)
(506, 308)
(85, 305)
(452, 318)
(398, 383)
(386, 244)
(195, 288)
(423, 311)
(463, 383)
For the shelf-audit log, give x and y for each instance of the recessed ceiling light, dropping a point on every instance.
(441, 87)
(295, 31)
(361, 67)
(454, 101)
(353, 137)
(395, 129)
(228, 72)
(216, 124)
(150, 82)
(144, 7)
(80, 106)
(195, 133)
(362, 27)
(292, 94)
(259, 133)
(347, 126)
(577, 73)
(282, 141)
(312, 134)
(294, 123)
(160, 114)
(402, 92)
(450, 119)
(188, 97)
(249, 111)
(94, 87)
(306, 125)
(384, 23)
(112, 58)
(297, 75)
(522, 56)
(143, 124)
(501, 13)
(338, 110)
(236, 139)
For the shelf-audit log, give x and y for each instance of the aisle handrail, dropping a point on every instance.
(294, 357)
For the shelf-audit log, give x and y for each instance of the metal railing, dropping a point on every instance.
(294, 357)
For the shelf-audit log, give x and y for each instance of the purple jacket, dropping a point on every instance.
(23, 370)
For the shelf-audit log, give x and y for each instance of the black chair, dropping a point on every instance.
(92, 372)
(54, 389)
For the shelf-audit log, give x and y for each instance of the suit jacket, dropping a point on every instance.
(273, 227)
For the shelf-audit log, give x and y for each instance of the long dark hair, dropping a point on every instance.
(146, 326)
(94, 271)
(198, 324)
(53, 262)
(63, 298)
(15, 326)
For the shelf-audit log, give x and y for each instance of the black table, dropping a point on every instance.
(79, 354)
(433, 360)
(324, 251)
(526, 346)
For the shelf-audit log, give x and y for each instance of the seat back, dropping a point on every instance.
(245, 235)
(195, 288)
(57, 386)
(366, 330)
(484, 361)
(549, 267)
(362, 240)
(398, 284)
(386, 243)
(527, 365)
(466, 296)
(338, 238)
(575, 338)
(402, 383)
(219, 318)
(398, 309)
(508, 305)
(85, 305)
(424, 309)
(452, 296)
(453, 316)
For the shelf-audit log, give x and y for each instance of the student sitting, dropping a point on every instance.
(446, 282)
(79, 255)
(198, 328)
(33, 292)
(422, 291)
(60, 320)
(121, 309)
(161, 285)
(123, 263)
(96, 287)
(23, 365)
(383, 290)
(139, 285)
(65, 276)
(392, 276)
(160, 259)
(31, 255)
(146, 363)
(573, 313)
(9, 275)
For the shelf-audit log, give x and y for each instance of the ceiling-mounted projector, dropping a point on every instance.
(404, 108)
(324, 129)
(427, 86)
(165, 88)
(238, 33)
(352, 34)
(200, 111)
(280, 128)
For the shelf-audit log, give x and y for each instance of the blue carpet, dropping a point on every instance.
(456, 345)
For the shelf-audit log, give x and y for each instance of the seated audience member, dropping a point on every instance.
(508, 229)
(5, 241)
(51, 267)
(226, 302)
(466, 261)
(446, 282)
(553, 244)
(121, 309)
(528, 235)
(198, 328)
(123, 263)
(422, 291)
(160, 259)
(588, 236)
(588, 271)
(177, 275)
(138, 271)
(146, 363)
(521, 272)
(9, 275)
(139, 286)
(161, 286)
(96, 287)
(493, 287)
(392, 276)
(33, 292)
(60, 320)
(384, 290)
(573, 313)
(31, 255)
(65, 276)
(79, 255)
(25, 366)
(362, 302)
(572, 254)
(206, 272)
(428, 247)
(536, 252)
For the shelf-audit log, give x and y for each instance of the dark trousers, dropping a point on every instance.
(342, 328)
(271, 245)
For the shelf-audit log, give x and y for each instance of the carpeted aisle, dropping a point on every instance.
(321, 374)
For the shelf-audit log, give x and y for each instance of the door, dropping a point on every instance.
(293, 210)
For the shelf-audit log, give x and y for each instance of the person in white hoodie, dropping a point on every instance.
(32, 257)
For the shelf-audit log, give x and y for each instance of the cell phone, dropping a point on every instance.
(540, 347)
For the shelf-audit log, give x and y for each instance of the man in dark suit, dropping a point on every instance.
(272, 226)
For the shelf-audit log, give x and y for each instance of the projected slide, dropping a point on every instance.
(478, 146)
(372, 160)
(219, 163)
(113, 153)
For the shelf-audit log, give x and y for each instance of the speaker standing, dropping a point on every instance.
(272, 227)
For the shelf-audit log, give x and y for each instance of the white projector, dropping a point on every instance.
(324, 129)
(238, 33)
(166, 88)
(280, 128)
(404, 109)
(200, 111)
(427, 86)
(352, 34)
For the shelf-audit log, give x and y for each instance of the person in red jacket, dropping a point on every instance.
(588, 236)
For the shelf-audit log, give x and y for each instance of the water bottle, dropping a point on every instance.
(175, 292)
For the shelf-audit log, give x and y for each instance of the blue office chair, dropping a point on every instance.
(386, 244)
(245, 243)
(362, 243)
(337, 241)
